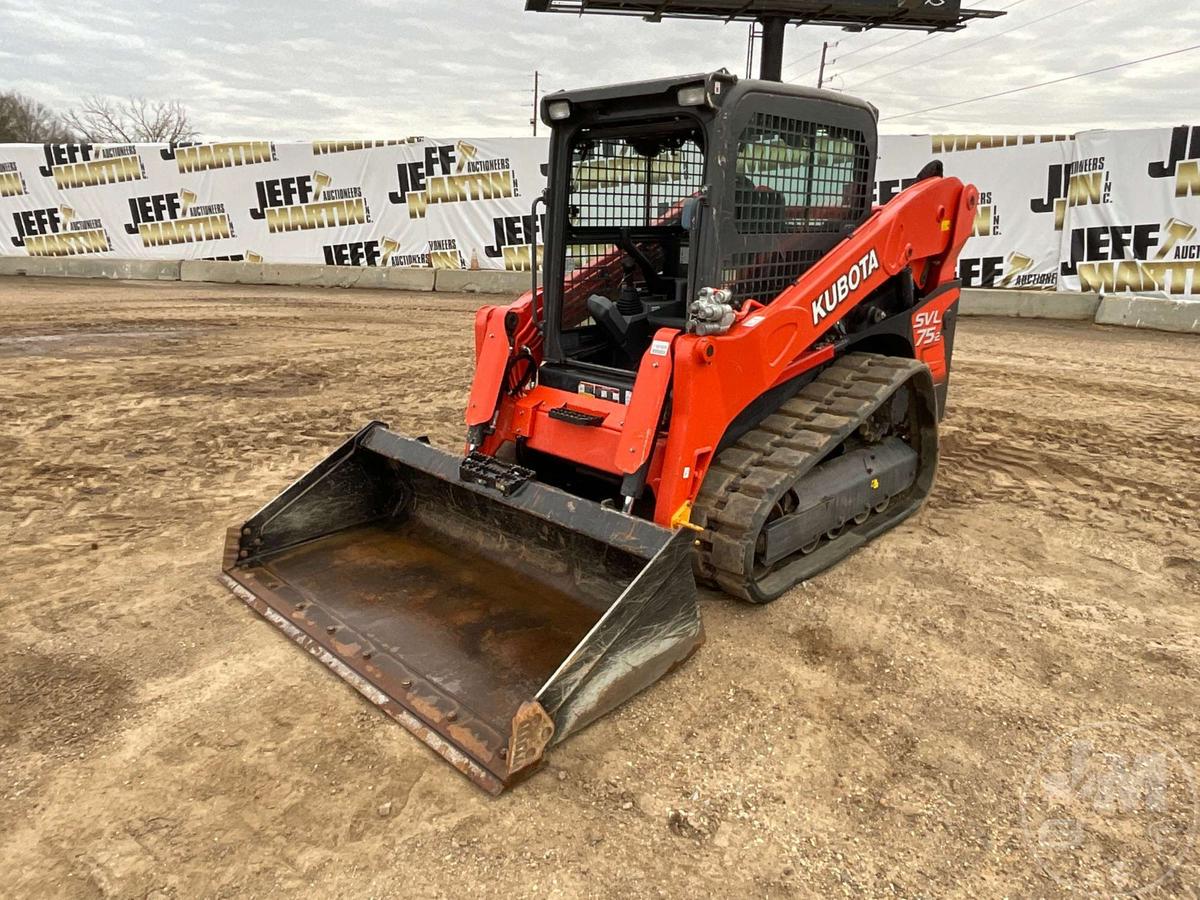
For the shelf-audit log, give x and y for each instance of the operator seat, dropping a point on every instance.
(760, 209)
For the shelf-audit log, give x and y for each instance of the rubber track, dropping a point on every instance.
(742, 486)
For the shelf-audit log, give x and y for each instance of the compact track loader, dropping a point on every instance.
(732, 375)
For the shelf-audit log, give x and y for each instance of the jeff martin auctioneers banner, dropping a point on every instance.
(1108, 211)
(411, 202)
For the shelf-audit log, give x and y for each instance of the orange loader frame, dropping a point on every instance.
(771, 342)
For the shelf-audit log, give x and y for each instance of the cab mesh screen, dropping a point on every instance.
(620, 183)
(615, 185)
(798, 186)
(799, 176)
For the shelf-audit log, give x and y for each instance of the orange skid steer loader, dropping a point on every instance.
(733, 374)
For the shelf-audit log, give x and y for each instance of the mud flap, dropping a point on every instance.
(489, 624)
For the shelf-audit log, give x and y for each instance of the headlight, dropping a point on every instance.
(693, 96)
(559, 110)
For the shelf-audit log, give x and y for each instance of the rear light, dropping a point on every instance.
(693, 96)
(559, 110)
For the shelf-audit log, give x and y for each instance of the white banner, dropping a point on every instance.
(1133, 213)
(1111, 211)
(1012, 244)
(414, 202)
(493, 228)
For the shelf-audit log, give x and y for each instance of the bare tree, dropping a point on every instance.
(24, 120)
(101, 120)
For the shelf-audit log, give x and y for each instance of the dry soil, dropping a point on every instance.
(870, 734)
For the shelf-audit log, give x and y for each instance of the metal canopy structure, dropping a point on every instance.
(776, 15)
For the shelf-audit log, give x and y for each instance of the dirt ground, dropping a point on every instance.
(870, 734)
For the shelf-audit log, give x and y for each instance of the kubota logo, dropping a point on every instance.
(835, 295)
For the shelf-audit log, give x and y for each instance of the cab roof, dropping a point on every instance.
(722, 83)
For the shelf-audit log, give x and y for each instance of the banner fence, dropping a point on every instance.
(1107, 211)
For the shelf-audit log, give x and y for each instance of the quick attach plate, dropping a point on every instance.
(478, 468)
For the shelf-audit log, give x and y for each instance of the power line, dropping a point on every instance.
(801, 59)
(907, 47)
(898, 34)
(806, 74)
(990, 37)
(886, 40)
(1030, 87)
(817, 68)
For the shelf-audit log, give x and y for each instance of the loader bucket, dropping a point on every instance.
(488, 614)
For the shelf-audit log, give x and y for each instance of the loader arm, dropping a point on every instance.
(773, 341)
(923, 228)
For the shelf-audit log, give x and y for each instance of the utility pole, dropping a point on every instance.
(771, 55)
(821, 75)
(536, 86)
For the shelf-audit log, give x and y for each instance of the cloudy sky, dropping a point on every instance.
(385, 68)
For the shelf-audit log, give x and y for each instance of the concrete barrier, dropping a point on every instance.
(1158, 313)
(221, 272)
(307, 275)
(94, 267)
(299, 274)
(1133, 311)
(1028, 304)
(484, 281)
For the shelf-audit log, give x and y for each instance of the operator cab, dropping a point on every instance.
(660, 188)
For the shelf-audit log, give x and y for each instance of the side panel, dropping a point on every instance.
(653, 627)
(929, 329)
(933, 327)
